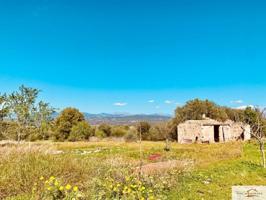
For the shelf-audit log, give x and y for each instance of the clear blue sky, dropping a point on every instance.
(116, 55)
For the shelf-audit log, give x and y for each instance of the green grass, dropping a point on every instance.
(216, 168)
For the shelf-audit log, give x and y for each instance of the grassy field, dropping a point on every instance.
(196, 171)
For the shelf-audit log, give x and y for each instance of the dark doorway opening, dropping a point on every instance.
(216, 133)
(242, 136)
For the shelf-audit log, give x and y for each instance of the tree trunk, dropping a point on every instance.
(262, 153)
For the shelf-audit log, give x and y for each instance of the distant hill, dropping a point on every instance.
(122, 118)
(125, 119)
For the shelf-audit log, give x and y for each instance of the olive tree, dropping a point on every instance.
(26, 112)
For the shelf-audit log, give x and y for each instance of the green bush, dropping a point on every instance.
(106, 129)
(8, 130)
(131, 136)
(118, 132)
(100, 134)
(155, 134)
(80, 131)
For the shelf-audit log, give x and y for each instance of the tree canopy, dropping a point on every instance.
(64, 123)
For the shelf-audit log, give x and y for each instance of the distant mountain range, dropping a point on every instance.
(125, 118)
(122, 118)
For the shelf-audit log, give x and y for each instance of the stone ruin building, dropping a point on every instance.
(212, 131)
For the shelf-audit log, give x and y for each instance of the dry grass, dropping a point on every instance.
(165, 166)
(21, 165)
(8, 149)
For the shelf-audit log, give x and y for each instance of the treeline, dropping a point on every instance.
(22, 117)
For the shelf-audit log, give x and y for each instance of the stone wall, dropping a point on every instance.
(207, 134)
(188, 132)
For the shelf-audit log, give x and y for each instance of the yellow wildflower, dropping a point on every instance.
(68, 187)
(141, 188)
(75, 189)
(56, 183)
(49, 188)
(41, 178)
(52, 178)
(61, 188)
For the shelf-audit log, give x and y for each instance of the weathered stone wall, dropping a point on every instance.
(240, 131)
(207, 134)
(187, 132)
(247, 132)
(224, 133)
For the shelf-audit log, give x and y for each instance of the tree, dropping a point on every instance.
(4, 108)
(80, 131)
(194, 110)
(21, 104)
(64, 123)
(236, 115)
(43, 118)
(28, 114)
(256, 118)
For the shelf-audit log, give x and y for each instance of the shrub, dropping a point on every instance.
(155, 134)
(33, 134)
(106, 129)
(80, 131)
(131, 136)
(118, 132)
(100, 134)
(8, 130)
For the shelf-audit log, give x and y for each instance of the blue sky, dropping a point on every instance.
(141, 56)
